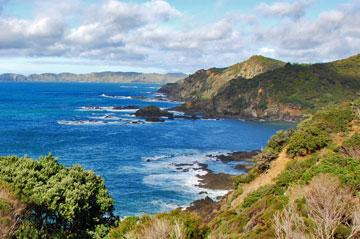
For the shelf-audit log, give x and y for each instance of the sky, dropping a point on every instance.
(162, 36)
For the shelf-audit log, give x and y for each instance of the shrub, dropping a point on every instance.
(353, 142)
(260, 193)
(351, 146)
(60, 200)
(278, 141)
(334, 119)
(175, 225)
(306, 141)
(347, 169)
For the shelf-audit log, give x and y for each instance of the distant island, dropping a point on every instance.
(102, 77)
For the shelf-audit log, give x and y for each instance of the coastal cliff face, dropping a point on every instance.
(205, 84)
(263, 88)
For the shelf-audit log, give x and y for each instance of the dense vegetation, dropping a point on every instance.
(288, 91)
(204, 84)
(59, 202)
(315, 196)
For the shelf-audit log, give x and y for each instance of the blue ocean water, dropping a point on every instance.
(76, 122)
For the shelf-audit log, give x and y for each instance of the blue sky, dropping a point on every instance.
(171, 36)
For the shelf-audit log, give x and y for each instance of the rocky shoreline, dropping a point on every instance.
(217, 181)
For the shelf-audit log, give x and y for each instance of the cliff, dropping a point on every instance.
(276, 92)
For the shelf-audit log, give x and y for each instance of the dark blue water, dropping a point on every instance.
(137, 159)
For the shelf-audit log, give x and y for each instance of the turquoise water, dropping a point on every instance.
(137, 159)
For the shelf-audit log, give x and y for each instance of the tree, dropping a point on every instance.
(71, 202)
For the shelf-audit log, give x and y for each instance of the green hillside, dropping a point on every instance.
(204, 84)
(288, 92)
(305, 184)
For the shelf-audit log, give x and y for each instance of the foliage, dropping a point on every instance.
(278, 141)
(353, 142)
(347, 169)
(306, 141)
(164, 225)
(333, 119)
(305, 87)
(70, 202)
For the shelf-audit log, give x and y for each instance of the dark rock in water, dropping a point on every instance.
(236, 156)
(128, 107)
(216, 181)
(183, 164)
(154, 119)
(203, 192)
(153, 114)
(186, 170)
(136, 122)
(243, 167)
(188, 117)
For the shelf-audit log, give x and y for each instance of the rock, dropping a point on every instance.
(236, 156)
(204, 208)
(153, 114)
(216, 181)
(129, 107)
(243, 167)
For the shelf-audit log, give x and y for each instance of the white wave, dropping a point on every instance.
(177, 113)
(106, 117)
(129, 86)
(100, 122)
(180, 173)
(105, 108)
(80, 122)
(116, 96)
(165, 206)
(160, 95)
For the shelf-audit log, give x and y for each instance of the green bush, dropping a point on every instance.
(278, 141)
(353, 142)
(71, 201)
(260, 193)
(347, 169)
(334, 119)
(306, 141)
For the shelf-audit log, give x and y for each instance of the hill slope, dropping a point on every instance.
(304, 185)
(287, 92)
(204, 84)
(108, 76)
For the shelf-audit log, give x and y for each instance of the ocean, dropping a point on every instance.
(88, 124)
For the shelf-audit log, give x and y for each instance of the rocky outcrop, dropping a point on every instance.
(153, 114)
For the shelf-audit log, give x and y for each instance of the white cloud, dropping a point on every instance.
(293, 9)
(334, 34)
(154, 34)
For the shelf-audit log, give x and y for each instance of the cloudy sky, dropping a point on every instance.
(171, 36)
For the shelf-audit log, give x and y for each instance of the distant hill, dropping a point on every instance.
(205, 84)
(126, 77)
(274, 91)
